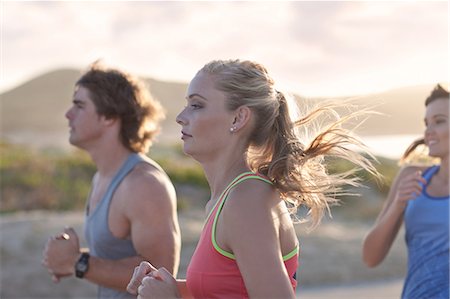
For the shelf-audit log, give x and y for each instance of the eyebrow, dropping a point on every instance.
(436, 116)
(196, 95)
(439, 115)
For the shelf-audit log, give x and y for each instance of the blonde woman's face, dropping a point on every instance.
(437, 128)
(205, 121)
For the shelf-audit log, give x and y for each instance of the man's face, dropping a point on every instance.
(85, 123)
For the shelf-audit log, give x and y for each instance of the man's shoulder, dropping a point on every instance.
(148, 172)
(146, 182)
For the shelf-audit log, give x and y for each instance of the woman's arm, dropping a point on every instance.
(149, 282)
(379, 240)
(249, 227)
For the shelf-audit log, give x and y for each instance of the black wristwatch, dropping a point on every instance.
(82, 265)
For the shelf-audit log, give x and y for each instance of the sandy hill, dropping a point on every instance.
(33, 112)
(402, 111)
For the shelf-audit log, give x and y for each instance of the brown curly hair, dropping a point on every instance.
(119, 95)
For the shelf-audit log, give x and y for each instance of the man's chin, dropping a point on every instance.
(74, 142)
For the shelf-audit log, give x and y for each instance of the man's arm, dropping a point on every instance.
(149, 204)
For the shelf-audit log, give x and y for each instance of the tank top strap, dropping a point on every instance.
(126, 167)
(240, 178)
(429, 172)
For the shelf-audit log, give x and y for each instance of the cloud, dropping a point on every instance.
(314, 48)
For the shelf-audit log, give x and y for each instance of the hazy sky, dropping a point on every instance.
(311, 48)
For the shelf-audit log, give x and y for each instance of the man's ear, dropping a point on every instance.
(109, 121)
(242, 117)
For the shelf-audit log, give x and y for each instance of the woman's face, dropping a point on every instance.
(205, 120)
(437, 128)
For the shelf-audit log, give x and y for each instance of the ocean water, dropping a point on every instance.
(389, 146)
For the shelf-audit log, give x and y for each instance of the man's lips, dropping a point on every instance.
(183, 134)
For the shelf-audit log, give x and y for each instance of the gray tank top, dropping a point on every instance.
(99, 238)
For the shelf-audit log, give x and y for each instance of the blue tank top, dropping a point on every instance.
(99, 238)
(427, 238)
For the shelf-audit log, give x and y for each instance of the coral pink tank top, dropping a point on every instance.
(213, 272)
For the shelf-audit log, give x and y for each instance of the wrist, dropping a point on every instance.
(400, 205)
(82, 265)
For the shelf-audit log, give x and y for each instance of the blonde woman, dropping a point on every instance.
(238, 127)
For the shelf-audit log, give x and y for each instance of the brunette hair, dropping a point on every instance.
(439, 92)
(119, 95)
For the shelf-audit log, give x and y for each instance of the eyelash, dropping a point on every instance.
(439, 121)
(195, 106)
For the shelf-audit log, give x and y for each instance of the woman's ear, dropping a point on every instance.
(242, 117)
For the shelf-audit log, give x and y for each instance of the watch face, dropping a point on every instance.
(81, 267)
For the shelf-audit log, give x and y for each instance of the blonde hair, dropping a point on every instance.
(297, 170)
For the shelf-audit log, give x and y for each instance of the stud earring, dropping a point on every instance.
(232, 129)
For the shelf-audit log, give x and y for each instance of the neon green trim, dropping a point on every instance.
(291, 254)
(226, 190)
(239, 179)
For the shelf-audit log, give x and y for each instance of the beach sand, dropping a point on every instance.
(389, 289)
(330, 261)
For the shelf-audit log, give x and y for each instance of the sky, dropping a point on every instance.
(311, 48)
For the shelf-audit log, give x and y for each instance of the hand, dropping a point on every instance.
(139, 273)
(61, 253)
(410, 187)
(158, 284)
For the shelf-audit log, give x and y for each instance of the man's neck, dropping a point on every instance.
(108, 159)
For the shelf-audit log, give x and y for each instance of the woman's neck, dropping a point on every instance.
(220, 172)
(444, 170)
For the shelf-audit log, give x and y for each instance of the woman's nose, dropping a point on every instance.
(428, 129)
(180, 119)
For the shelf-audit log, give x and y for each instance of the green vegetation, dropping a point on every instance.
(42, 180)
(387, 168)
(32, 179)
(365, 201)
(181, 169)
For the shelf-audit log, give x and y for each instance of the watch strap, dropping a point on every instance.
(82, 265)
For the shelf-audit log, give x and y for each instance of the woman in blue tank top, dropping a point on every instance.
(419, 197)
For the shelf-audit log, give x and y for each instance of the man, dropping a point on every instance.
(131, 209)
